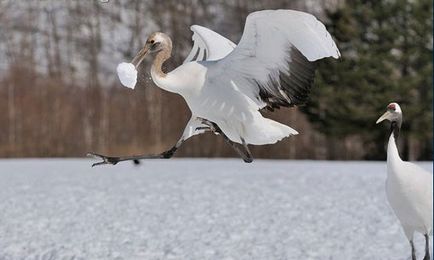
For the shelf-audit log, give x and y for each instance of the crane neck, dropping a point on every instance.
(159, 60)
(395, 127)
(394, 161)
(392, 149)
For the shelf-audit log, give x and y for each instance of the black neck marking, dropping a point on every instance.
(395, 127)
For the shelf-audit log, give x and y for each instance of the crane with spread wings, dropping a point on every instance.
(226, 85)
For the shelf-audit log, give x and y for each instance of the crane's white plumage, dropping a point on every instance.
(409, 191)
(409, 188)
(271, 66)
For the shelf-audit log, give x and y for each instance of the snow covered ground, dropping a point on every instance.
(198, 209)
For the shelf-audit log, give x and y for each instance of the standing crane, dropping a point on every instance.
(409, 188)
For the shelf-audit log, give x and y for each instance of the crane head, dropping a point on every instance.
(155, 43)
(393, 113)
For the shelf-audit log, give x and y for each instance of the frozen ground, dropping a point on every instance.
(197, 209)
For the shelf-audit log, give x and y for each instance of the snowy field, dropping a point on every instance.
(198, 209)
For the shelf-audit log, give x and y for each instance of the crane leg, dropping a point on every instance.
(242, 150)
(413, 251)
(116, 159)
(194, 127)
(427, 256)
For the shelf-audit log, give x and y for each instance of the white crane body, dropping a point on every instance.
(409, 192)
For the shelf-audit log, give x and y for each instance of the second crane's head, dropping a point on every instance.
(393, 114)
(157, 42)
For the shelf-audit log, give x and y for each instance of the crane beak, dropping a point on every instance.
(140, 56)
(385, 116)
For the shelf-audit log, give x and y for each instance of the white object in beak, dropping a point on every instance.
(127, 74)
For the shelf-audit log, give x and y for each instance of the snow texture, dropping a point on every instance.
(127, 74)
(198, 209)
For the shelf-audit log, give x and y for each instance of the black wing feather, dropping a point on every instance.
(292, 87)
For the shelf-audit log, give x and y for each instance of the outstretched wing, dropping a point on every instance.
(274, 63)
(208, 45)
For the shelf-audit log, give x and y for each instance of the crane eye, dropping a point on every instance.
(152, 41)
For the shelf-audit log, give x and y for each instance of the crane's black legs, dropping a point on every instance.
(189, 131)
(413, 251)
(115, 159)
(195, 126)
(242, 150)
(427, 256)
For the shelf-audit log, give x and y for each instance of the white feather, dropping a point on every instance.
(207, 41)
(263, 49)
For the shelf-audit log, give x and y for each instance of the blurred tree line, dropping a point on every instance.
(60, 96)
(386, 51)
